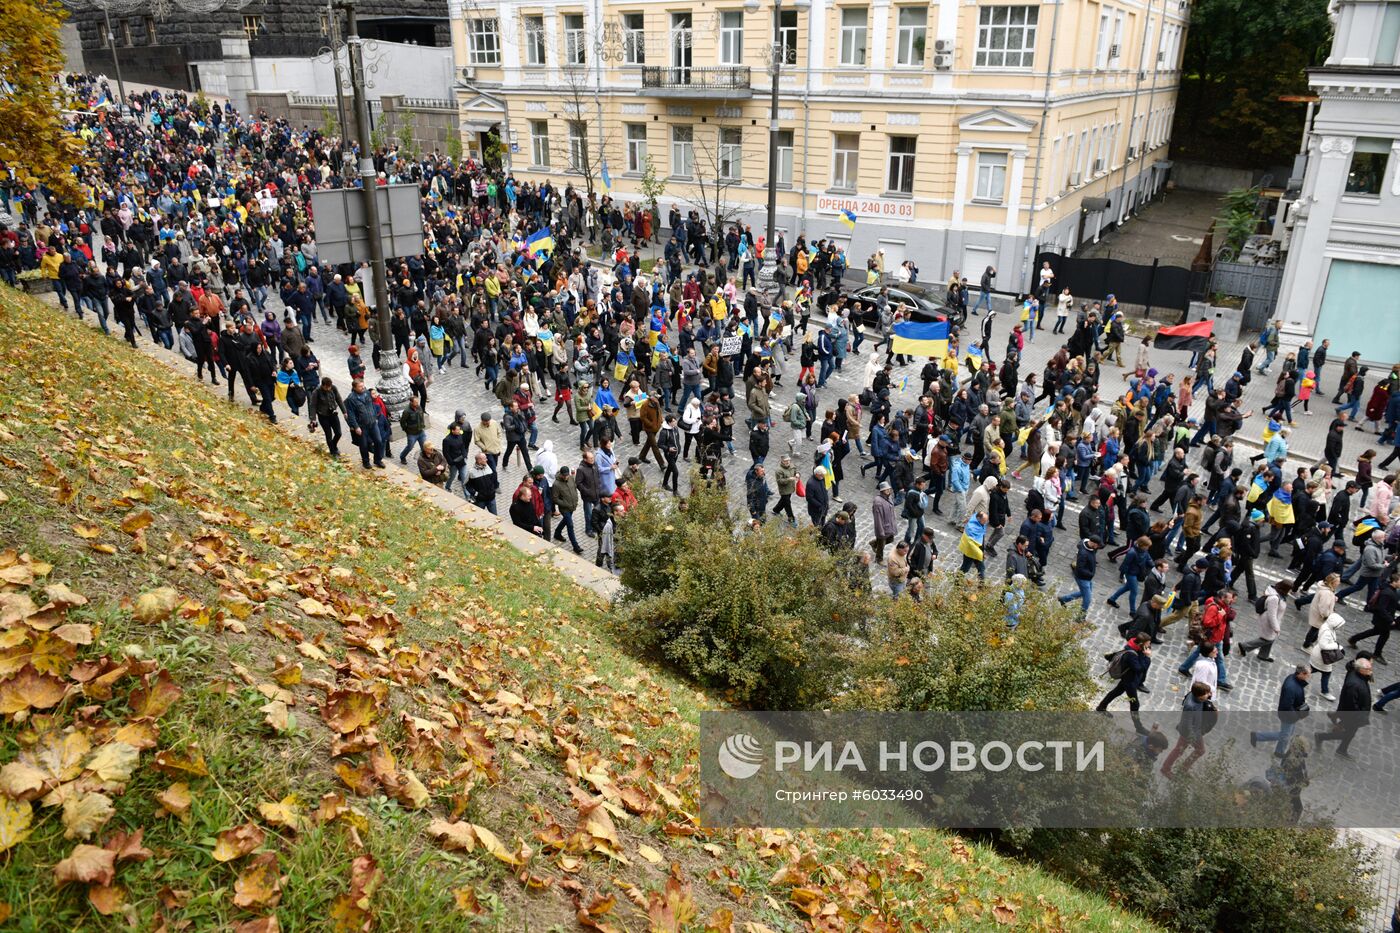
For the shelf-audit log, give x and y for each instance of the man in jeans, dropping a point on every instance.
(1292, 707)
(363, 418)
(989, 276)
(1215, 628)
(414, 428)
(1086, 563)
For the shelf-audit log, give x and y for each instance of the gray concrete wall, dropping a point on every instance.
(72, 47)
(431, 122)
(1199, 176)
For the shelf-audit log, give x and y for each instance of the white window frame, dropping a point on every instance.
(578, 146)
(911, 39)
(787, 36)
(785, 152)
(855, 37)
(845, 161)
(995, 29)
(484, 40)
(1101, 43)
(731, 153)
(536, 45)
(636, 147)
(900, 166)
(731, 37)
(1115, 48)
(634, 39)
(991, 171)
(539, 144)
(682, 151)
(575, 46)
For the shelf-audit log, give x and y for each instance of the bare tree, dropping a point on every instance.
(587, 136)
(719, 166)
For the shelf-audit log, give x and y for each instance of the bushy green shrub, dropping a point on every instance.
(1241, 880)
(762, 616)
(953, 652)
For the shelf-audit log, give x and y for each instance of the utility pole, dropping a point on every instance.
(393, 386)
(333, 30)
(116, 65)
(778, 53)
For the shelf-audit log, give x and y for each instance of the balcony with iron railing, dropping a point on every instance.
(723, 82)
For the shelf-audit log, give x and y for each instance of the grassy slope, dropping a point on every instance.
(483, 674)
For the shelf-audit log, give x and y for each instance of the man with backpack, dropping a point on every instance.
(1270, 608)
(1129, 666)
(1136, 565)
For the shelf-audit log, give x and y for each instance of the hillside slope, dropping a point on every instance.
(245, 687)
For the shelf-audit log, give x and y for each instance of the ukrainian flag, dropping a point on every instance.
(920, 339)
(1258, 487)
(541, 241)
(1281, 506)
(849, 219)
(972, 537)
(1362, 532)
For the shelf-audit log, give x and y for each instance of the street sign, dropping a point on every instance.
(341, 232)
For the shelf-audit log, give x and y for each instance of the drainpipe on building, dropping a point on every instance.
(1039, 151)
(806, 134)
(1132, 114)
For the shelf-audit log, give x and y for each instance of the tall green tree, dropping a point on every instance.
(1241, 56)
(33, 139)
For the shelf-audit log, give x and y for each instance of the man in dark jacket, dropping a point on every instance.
(818, 497)
(414, 425)
(1353, 708)
(325, 409)
(454, 451)
(1086, 564)
(1135, 662)
(260, 370)
(586, 481)
(1292, 707)
(564, 492)
(757, 492)
(482, 483)
(1382, 606)
(1246, 551)
(363, 417)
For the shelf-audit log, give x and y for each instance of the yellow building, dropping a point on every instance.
(961, 133)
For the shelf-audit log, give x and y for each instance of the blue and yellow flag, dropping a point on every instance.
(972, 537)
(1258, 487)
(1362, 532)
(541, 241)
(607, 179)
(1281, 506)
(920, 339)
(849, 219)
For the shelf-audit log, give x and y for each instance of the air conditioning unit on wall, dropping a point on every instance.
(468, 73)
(943, 46)
(1074, 179)
(942, 61)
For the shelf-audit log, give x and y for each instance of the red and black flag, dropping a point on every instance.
(1194, 336)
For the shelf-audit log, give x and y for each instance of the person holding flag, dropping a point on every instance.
(971, 543)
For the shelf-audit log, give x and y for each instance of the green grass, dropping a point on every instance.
(246, 523)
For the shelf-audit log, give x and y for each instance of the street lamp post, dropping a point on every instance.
(332, 48)
(777, 54)
(393, 386)
(116, 65)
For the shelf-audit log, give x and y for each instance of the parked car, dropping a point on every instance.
(920, 303)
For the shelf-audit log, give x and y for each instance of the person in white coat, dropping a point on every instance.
(1270, 622)
(1327, 643)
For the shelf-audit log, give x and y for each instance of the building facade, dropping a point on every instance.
(961, 134)
(1342, 273)
(169, 46)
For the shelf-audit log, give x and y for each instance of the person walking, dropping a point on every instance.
(882, 514)
(1382, 606)
(1271, 607)
(1198, 716)
(1353, 709)
(1292, 708)
(325, 408)
(1129, 665)
(1086, 564)
(1327, 651)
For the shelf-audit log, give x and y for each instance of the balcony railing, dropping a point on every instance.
(678, 81)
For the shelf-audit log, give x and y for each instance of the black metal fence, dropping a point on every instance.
(1151, 285)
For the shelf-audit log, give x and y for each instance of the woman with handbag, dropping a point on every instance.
(1327, 651)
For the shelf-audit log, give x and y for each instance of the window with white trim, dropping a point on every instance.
(991, 177)
(845, 161)
(682, 151)
(634, 38)
(539, 143)
(1115, 48)
(1006, 36)
(578, 146)
(911, 37)
(854, 35)
(787, 35)
(731, 153)
(1368, 164)
(636, 147)
(1101, 44)
(784, 157)
(731, 37)
(534, 41)
(484, 39)
(900, 178)
(575, 48)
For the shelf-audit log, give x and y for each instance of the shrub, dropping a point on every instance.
(762, 616)
(954, 652)
(1242, 880)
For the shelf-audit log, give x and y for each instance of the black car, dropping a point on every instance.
(919, 302)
